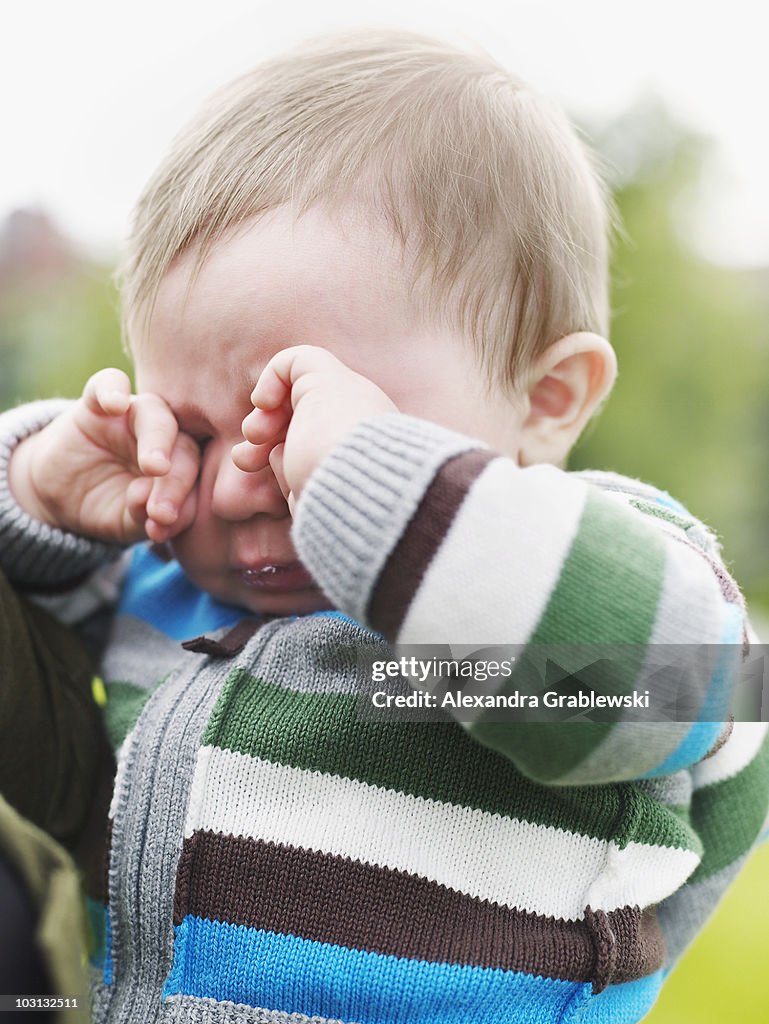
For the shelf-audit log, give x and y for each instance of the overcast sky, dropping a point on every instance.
(93, 90)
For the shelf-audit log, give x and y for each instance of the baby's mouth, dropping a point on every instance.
(285, 576)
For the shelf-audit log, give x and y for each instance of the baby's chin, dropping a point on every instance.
(299, 602)
(233, 590)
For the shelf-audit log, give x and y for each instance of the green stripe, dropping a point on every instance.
(97, 935)
(660, 512)
(121, 712)
(324, 732)
(728, 815)
(607, 594)
(611, 582)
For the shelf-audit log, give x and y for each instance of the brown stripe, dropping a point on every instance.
(229, 645)
(333, 899)
(733, 595)
(726, 732)
(408, 563)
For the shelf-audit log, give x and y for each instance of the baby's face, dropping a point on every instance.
(273, 284)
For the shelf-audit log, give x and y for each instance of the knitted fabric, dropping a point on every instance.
(277, 858)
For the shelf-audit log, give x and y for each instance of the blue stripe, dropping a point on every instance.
(667, 501)
(623, 1004)
(218, 960)
(228, 962)
(159, 593)
(715, 708)
(108, 950)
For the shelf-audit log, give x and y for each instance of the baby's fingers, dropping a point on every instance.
(261, 426)
(276, 463)
(108, 391)
(155, 428)
(168, 507)
(285, 368)
(250, 458)
(137, 495)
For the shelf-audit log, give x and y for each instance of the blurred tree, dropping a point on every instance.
(58, 311)
(689, 412)
(53, 335)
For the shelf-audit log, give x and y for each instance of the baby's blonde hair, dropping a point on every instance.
(485, 182)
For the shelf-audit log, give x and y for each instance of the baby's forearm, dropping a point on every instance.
(430, 543)
(22, 483)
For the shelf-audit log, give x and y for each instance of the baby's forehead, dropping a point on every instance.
(279, 277)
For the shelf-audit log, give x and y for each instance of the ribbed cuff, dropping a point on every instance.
(362, 497)
(32, 553)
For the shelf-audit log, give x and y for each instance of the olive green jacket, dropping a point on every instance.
(55, 777)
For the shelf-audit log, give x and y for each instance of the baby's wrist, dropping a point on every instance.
(22, 484)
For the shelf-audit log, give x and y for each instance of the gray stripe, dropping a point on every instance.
(189, 1010)
(314, 654)
(628, 743)
(139, 653)
(310, 654)
(101, 590)
(147, 834)
(673, 790)
(682, 915)
(361, 498)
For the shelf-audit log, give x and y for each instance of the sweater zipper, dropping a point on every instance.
(147, 834)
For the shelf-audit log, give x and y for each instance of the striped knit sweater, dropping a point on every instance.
(277, 858)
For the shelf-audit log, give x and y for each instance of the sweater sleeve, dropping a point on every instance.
(432, 539)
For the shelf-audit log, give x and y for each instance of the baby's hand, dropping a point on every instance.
(114, 466)
(305, 401)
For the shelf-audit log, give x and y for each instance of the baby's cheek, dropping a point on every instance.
(201, 543)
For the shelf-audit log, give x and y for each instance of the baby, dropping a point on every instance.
(366, 300)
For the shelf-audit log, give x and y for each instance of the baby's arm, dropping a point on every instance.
(431, 538)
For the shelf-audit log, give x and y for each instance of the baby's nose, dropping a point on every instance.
(237, 495)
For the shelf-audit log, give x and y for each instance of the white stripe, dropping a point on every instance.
(516, 863)
(690, 609)
(492, 576)
(738, 751)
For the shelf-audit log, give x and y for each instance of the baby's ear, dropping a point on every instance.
(567, 383)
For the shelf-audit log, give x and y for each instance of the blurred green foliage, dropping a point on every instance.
(690, 413)
(690, 410)
(55, 332)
